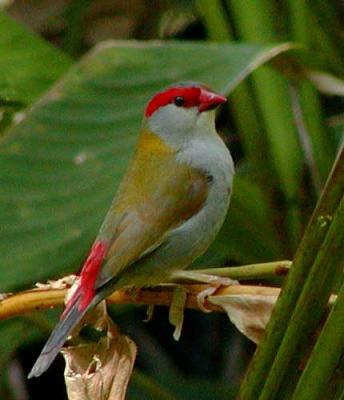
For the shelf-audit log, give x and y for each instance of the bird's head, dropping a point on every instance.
(181, 111)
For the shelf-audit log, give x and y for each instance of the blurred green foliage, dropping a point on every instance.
(66, 145)
(77, 142)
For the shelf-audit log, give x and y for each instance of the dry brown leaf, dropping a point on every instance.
(63, 283)
(100, 371)
(250, 313)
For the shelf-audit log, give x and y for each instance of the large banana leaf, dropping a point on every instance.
(28, 64)
(60, 166)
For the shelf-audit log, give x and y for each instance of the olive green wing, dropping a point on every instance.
(144, 218)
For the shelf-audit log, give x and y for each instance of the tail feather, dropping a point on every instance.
(57, 338)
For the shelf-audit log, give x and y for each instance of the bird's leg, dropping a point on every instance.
(176, 313)
(199, 277)
(134, 294)
(149, 313)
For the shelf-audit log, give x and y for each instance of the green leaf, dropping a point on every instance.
(305, 294)
(28, 64)
(325, 357)
(14, 333)
(60, 167)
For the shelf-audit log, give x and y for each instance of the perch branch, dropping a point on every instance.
(47, 297)
(41, 299)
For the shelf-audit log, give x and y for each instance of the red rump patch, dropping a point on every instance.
(190, 94)
(85, 290)
(89, 273)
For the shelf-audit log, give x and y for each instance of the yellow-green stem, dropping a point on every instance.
(252, 271)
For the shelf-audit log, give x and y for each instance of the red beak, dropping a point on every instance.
(209, 100)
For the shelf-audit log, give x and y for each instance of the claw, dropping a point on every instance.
(176, 314)
(202, 298)
(134, 292)
(215, 283)
(150, 312)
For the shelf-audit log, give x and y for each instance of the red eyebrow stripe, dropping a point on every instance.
(190, 94)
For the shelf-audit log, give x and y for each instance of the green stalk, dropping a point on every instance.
(304, 259)
(328, 48)
(339, 387)
(323, 148)
(325, 13)
(214, 18)
(252, 271)
(255, 24)
(245, 113)
(310, 306)
(288, 388)
(73, 16)
(325, 357)
(241, 101)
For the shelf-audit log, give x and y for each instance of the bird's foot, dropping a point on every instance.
(149, 313)
(133, 292)
(199, 277)
(201, 298)
(176, 313)
(214, 281)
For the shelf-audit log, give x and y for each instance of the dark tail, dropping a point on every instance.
(59, 335)
(71, 316)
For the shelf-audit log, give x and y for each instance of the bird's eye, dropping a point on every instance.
(179, 101)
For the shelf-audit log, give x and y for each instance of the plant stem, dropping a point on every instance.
(323, 148)
(326, 45)
(214, 18)
(40, 299)
(304, 259)
(325, 14)
(339, 385)
(244, 110)
(325, 357)
(73, 15)
(326, 270)
(254, 22)
(253, 271)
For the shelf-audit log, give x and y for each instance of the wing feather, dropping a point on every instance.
(157, 195)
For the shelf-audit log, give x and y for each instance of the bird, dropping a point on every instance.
(168, 208)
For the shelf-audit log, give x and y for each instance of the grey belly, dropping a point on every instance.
(183, 246)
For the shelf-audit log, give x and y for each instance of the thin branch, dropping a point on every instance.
(53, 294)
(40, 299)
(251, 271)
